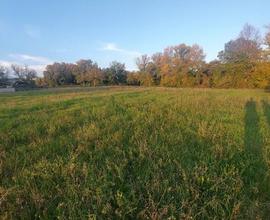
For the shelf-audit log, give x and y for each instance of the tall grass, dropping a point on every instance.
(135, 153)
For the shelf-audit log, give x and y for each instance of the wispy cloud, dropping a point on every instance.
(38, 68)
(30, 58)
(114, 48)
(37, 63)
(111, 47)
(114, 52)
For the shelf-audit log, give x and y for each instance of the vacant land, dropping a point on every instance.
(149, 153)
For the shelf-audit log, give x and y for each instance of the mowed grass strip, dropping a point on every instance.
(145, 153)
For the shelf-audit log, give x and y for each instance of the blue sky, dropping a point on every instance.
(38, 32)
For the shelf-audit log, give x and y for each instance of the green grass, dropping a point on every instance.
(125, 153)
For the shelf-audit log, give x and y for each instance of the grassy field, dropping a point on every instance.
(125, 153)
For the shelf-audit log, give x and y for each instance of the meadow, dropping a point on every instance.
(135, 153)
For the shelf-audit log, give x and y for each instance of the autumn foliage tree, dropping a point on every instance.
(267, 44)
(243, 63)
(246, 48)
(133, 78)
(176, 66)
(115, 74)
(88, 73)
(59, 74)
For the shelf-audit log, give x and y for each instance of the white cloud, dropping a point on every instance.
(110, 47)
(30, 58)
(37, 63)
(5, 63)
(38, 68)
(114, 52)
(114, 48)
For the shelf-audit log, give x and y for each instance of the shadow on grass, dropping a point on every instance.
(267, 89)
(253, 139)
(266, 109)
(255, 175)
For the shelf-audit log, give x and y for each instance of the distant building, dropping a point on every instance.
(11, 81)
(14, 84)
(7, 89)
(7, 86)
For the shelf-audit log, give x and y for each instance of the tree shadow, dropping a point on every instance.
(267, 89)
(255, 175)
(266, 109)
(253, 138)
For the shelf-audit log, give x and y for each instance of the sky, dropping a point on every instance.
(40, 32)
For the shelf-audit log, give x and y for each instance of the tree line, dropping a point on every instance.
(84, 72)
(243, 63)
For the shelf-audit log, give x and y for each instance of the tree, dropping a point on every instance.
(4, 74)
(142, 62)
(246, 48)
(250, 33)
(266, 51)
(24, 73)
(88, 72)
(267, 36)
(96, 77)
(180, 64)
(184, 53)
(148, 70)
(40, 82)
(26, 76)
(116, 74)
(176, 65)
(133, 79)
(145, 79)
(59, 74)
